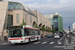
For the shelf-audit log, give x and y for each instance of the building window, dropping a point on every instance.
(13, 6)
(30, 18)
(17, 18)
(9, 20)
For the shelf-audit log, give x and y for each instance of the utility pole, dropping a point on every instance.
(69, 29)
(69, 39)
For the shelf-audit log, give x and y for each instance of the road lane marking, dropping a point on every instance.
(36, 42)
(51, 43)
(44, 42)
(60, 39)
(59, 42)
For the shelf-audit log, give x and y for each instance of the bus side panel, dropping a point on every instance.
(27, 38)
(37, 37)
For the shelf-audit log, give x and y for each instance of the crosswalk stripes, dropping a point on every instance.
(51, 42)
(47, 43)
(59, 42)
(36, 42)
(44, 42)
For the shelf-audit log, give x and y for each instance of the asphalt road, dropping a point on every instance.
(43, 44)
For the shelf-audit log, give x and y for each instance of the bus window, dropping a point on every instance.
(15, 33)
(26, 32)
(38, 32)
(29, 32)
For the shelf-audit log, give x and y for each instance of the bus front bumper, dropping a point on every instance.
(15, 41)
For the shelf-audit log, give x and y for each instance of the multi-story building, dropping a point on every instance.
(73, 25)
(50, 18)
(56, 21)
(13, 13)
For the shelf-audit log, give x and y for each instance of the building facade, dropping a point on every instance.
(50, 18)
(56, 21)
(73, 26)
(13, 13)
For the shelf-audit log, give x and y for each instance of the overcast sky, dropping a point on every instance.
(66, 8)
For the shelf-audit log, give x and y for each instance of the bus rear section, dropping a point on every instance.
(23, 35)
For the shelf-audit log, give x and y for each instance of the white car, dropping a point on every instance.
(67, 35)
(56, 36)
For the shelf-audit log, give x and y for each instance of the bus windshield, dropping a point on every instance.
(15, 33)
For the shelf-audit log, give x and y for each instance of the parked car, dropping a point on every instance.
(61, 35)
(50, 35)
(67, 35)
(46, 35)
(53, 35)
(56, 36)
(41, 35)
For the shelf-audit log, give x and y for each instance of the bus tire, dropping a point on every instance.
(16, 44)
(37, 39)
(29, 40)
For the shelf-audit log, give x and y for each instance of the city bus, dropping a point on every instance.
(23, 34)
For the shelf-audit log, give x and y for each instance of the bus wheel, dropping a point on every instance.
(16, 44)
(37, 39)
(29, 40)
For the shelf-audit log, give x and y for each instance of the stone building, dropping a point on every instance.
(13, 13)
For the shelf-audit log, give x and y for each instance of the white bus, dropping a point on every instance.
(23, 34)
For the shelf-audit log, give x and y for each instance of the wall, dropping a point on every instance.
(39, 18)
(15, 12)
(45, 32)
(3, 12)
(43, 20)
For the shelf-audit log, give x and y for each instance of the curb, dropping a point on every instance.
(3, 43)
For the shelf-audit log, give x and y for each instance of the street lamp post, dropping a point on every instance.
(69, 36)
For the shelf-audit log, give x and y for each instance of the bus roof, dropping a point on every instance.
(23, 26)
(30, 27)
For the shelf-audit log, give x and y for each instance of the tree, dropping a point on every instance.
(73, 30)
(48, 29)
(43, 28)
(23, 23)
(36, 26)
(53, 30)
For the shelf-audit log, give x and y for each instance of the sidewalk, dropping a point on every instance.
(72, 41)
(3, 42)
